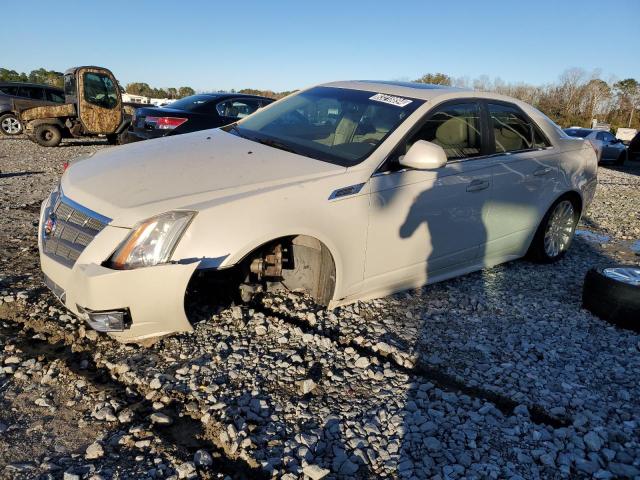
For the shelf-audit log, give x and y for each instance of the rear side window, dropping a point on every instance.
(34, 93)
(456, 128)
(237, 108)
(54, 96)
(513, 131)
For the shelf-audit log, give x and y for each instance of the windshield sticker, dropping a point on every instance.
(391, 100)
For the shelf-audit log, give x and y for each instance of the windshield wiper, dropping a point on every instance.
(276, 144)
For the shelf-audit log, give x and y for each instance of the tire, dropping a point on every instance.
(542, 248)
(10, 125)
(47, 135)
(622, 158)
(613, 299)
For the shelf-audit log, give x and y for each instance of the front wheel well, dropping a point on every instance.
(295, 263)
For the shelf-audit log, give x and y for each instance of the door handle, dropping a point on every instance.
(477, 185)
(542, 171)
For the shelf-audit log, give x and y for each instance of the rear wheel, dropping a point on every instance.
(47, 135)
(10, 125)
(555, 233)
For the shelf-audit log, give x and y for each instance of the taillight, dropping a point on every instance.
(65, 165)
(166, 123)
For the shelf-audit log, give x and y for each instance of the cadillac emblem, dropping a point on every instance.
(50, 225)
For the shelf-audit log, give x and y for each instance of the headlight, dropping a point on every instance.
(151, 242)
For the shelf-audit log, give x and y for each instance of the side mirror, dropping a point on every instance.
(424, 155)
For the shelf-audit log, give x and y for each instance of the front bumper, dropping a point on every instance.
(150, 299)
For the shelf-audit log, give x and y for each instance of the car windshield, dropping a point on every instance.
(191, 103)
(575, 132)
(336, 125)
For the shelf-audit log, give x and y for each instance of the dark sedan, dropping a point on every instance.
(189, 114)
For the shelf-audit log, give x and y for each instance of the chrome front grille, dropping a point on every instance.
(67, 228)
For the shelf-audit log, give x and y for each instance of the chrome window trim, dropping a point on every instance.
(379, 173)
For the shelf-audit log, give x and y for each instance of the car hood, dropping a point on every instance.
(133, 182)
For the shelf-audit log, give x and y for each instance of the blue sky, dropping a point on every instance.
(283, 45)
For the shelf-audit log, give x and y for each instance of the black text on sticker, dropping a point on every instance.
(391, 100)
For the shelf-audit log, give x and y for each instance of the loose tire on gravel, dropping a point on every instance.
(613, 294)
(47, 135)
(10, 125)
(555, 232)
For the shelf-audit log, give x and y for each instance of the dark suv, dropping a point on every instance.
(15, 97)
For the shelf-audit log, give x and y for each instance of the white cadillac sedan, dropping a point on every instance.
(349, 190)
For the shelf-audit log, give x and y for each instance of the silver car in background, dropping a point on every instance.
(607, 147)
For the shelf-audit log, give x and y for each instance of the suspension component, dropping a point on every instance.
(269, 265)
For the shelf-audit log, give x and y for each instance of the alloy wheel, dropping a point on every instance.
(560, 229)
(11, 126)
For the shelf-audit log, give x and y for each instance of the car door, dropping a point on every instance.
(426, 224)
(611, 148)
(100, 105)
(524, 180)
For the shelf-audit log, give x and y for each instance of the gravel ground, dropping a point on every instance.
(498, 374)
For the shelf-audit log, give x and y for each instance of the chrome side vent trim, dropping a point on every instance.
(346, 191)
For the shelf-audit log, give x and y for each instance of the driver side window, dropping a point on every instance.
(456, 128)
(99, 90)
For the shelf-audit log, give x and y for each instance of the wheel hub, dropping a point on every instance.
(559, 229)
(11, 126)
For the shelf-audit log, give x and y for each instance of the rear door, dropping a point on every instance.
(100, 106)
(524, 180)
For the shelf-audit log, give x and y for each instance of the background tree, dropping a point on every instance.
(185, 92)
(628, 93)
(435, 78)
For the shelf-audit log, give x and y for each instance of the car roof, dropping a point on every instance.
(234, 95)
(28, 84)
(423, 91)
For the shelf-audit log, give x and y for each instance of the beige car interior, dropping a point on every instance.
(357, 127)
(458, 138)
(507, 137)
